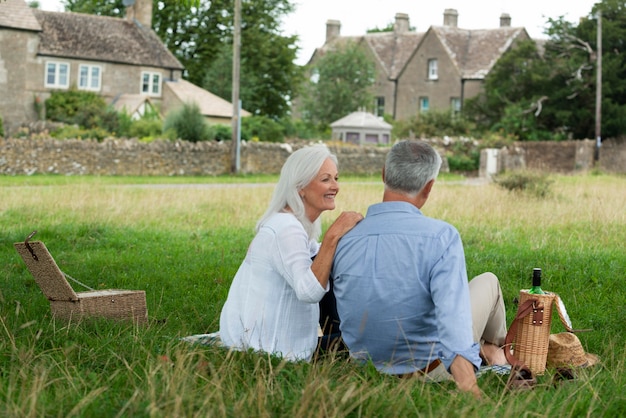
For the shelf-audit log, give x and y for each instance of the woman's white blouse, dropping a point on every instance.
(272, 304)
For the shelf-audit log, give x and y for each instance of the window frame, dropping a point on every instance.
(379, 105)
(57, 74)
(90, 68)
(455, 105)
(432, 70)
(151, 83)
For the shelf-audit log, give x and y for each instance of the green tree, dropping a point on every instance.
(554, 96)
(613, 66)
(340, 83)
(516, 95)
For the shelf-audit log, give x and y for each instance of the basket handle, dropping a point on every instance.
(524, 310)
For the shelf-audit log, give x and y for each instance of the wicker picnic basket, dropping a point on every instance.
(528, 336)
(533, 332)
(67, 304)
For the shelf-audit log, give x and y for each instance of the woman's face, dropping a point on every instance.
(319, 194)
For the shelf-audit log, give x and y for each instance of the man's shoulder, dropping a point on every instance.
(406, 217)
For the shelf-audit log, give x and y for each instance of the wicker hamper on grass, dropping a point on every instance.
(533, 333)
(69, 305)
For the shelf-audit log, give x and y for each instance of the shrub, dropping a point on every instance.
(222, 132)
(187, 123)
(433, 124)
(77, 132)
(75, 107)
(523, 181)
(263, 128)
(145, 128)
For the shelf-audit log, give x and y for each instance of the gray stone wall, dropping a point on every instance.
(558, 157)
(164, 158)
(125, 157)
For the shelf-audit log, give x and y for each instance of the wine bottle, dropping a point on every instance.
(536, 288)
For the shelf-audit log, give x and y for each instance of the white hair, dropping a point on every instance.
(298, 171)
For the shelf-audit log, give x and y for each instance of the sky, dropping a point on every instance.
(308, 21)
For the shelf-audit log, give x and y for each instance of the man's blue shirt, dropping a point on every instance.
(402, 292)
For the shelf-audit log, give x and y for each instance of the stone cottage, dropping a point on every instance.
(436, 69)
(121, 59)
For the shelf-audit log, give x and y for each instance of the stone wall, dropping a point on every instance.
(126, 157)
(164, 158)
(557, 157)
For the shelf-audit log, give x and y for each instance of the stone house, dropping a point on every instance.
(436, 69)
(121, 59)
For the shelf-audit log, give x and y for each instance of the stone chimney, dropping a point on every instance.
(333, 29)
(402, 23)
(450, 18)
(140, 10)
(505, 20)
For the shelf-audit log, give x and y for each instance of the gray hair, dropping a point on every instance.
(410, 165)
(298, 171)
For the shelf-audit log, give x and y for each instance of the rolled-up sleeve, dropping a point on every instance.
(292, 260)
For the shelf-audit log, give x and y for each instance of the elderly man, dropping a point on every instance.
(401, 284)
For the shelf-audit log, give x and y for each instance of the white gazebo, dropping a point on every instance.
(361, 128)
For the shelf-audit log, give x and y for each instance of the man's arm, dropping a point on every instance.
(463, 372)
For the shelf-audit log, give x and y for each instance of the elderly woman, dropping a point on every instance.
(272, 304)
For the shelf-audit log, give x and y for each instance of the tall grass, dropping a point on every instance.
(183, 244)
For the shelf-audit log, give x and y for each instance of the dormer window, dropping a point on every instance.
(151, 83)
(57, 75)
(432, 69)
(89, 77)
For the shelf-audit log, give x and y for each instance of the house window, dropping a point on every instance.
(432, 69)
(89, 77)
(57, 75)
(151, 83)
(380, 106)
(455, 106)
(424, 104)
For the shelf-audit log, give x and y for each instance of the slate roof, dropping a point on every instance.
(476, 51)
(102, 38)
(209, 103)
(393, 51)
(16, 14)
(473, 51)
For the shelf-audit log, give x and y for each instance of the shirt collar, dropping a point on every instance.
(392, 206)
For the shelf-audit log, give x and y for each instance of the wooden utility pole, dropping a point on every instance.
(234, 166)
(596, 154)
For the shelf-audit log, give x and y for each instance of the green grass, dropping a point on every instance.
(183, 243)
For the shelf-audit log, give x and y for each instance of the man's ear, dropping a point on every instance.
(427, 188)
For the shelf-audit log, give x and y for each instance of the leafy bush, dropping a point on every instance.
(433, 124)
(222, 132)
(464, 155)
(87, 110)
(75, 107)
(77, 132)
(536, 184)
(263, 128)
(187, 123)
(145, 128)
(301, 129)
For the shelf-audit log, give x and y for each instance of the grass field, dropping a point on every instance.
(182, 239)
